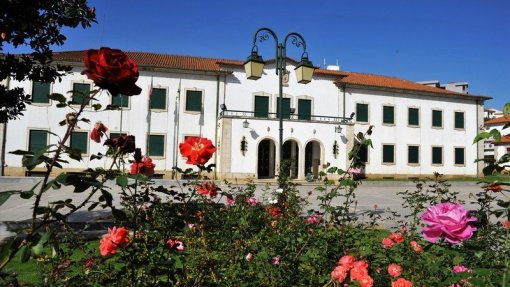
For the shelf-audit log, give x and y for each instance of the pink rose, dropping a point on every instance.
(397, 237)
(339, 273)
(450, 220)
(387, 243)
(401, 282)
(347, 261)
(416, 247)
(354, 171)
(314, 218)
(366, 281)
(249, 257)
(230, 200)
(394, 270)
(506, 225)
(276, 260)
(177, 244)
(251, 200)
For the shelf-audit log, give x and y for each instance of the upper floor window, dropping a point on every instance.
(389, 115)
(120, 101)
(362, 112)
(80, 93)
(158, 99)
(193, 101)
(40, 92)
(37, 139)
(459, 120)
(261, 108)
(413, 116)
(304, 109)
(437, 118)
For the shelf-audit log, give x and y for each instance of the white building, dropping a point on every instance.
(418, 129)
(496, 149)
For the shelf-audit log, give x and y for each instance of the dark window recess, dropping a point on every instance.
(285, 108)
(304, 109)
(80, 93)
(413, 154)
(388, 115)
(37, 140)
(459, 120)
(437, 119)
(120, 101)
(388, 153)
(158, 99)
(362, 112)
(156, 145)
(459, 156)
(414, 117)
(437, 155)
(194, 101)
(79, 140)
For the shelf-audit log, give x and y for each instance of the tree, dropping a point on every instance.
(36, 24)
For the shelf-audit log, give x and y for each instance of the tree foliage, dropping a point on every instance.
(38, 25)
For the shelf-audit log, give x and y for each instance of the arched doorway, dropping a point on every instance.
(266, 159)
(312, 158)
(291, 154)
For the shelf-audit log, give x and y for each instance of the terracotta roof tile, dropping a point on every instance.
(167, 61)
(500, 120)
(504, 140)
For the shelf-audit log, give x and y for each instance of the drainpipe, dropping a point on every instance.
(478, 143)
(343, 92)
(4, 136)
(216, 126)
(176, 127)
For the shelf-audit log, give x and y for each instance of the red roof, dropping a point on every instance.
(166, 61)
(504, 140)
(500, 120)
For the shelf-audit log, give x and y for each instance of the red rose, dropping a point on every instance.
(397, 237)
(145, 166)
(394, 270)
(274, 211)
(495, 188)
(208, 188)
(116, 237)
(198, 150)
(111, 69)
(126, 143)
(97, 132)
(401, 282)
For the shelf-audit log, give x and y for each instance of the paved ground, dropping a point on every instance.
(383, 194)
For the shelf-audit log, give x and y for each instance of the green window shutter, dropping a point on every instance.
(261, 106)
(305, 109)
(79, 140)
(362, 112)
(388, 115)
(459, 120)
(388, 153)
(158, 99)
(194, 101)
(413, 117)
(413, 154)
(437, 155)
(120, 101)
(437, 118)
(459, 155)
(156, 145)
(116, 135)
(40, 92)
(285, 108)
(80, 92)
(37, 140)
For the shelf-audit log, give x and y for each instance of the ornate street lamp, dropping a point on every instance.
(254, 66)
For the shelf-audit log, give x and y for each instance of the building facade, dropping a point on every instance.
(418, 129)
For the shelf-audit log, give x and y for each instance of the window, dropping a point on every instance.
(261, 107)
(37, 139)
(194, 101)
(158, 99)
(80, 93)
(40, 92)
(362, 113)
(413, 117)
(389, 115)
(437, 118)
(79, 140)
(117, 135)
(285, 108)
(459, 120)
(437, 155)
(459, 156)
(156, 145)
(120, 101)
(304, 109)
(413, 154)
(388, 155)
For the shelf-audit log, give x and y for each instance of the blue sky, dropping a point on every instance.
(448, 40)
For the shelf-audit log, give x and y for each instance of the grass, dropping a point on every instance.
(489, 178)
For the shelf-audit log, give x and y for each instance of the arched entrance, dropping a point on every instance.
(312, 158)
(266, 159)
(291, 155)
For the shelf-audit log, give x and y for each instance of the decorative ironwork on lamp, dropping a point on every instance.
(244, 146)
(335, 149)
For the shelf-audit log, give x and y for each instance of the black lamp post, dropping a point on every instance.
(254, 67)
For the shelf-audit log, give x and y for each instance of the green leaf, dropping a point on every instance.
(506, 109)
(178, 263)
(57, 97)
(96, 107)
(119, 214)
(61, 105)
(37, 249)
(5, 249)
(25, 252)
(21, 152)
(481, 136)
(62, 123)
(122, 181)
(107, 197)
(4, 195)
